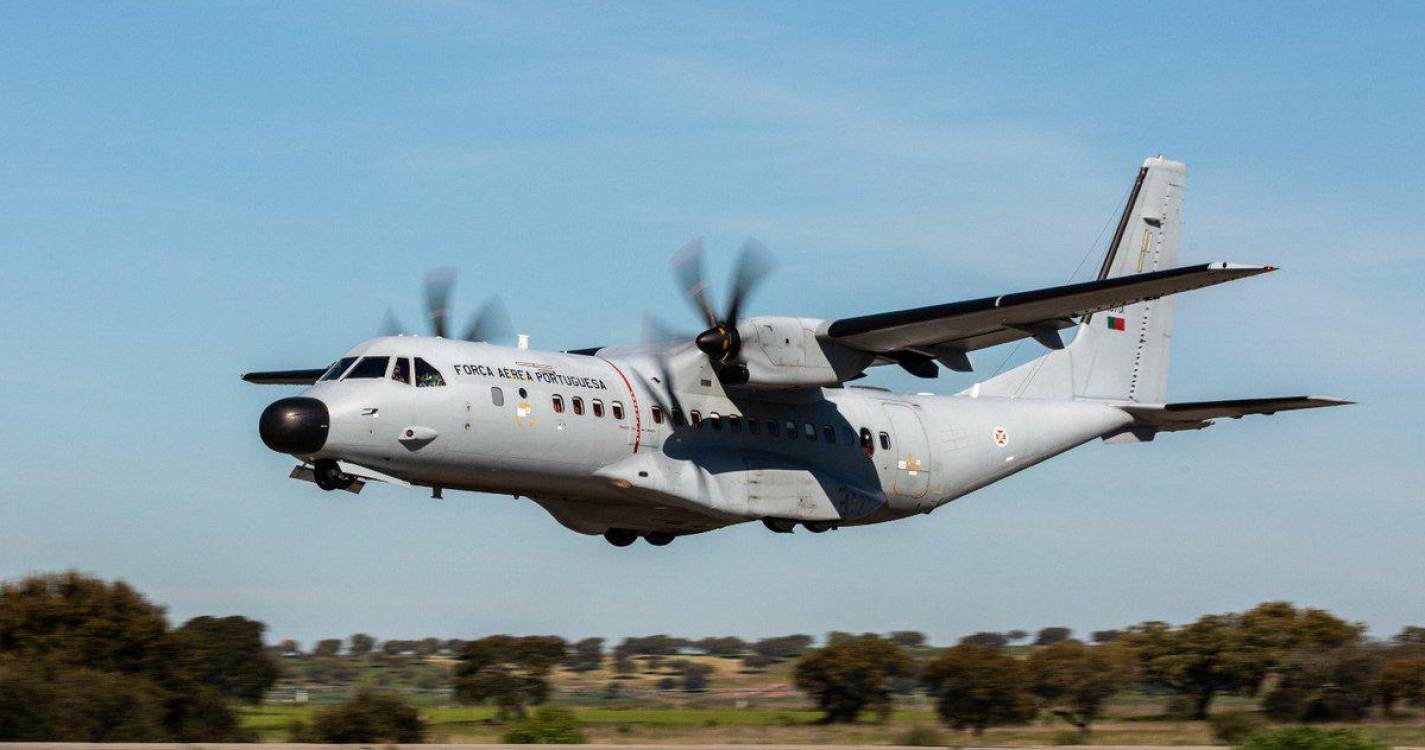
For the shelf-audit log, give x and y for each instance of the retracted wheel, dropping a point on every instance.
(780, 525)
(621, 537)
(658, 538)
(816, 527)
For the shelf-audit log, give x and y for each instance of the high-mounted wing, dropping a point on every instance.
(946, 332)
(1192, 415)
(284, 377)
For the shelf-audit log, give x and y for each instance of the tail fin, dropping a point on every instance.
(1119, 355)
(1123, 354)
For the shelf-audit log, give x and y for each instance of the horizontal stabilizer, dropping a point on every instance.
(1191, 415)
(284, 377)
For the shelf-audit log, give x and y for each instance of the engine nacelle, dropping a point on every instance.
(782, 352)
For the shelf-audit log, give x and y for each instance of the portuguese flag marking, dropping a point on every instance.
(1115, 323)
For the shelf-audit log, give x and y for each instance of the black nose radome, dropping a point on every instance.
(295, 425)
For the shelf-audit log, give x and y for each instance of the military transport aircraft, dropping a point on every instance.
(752, 419)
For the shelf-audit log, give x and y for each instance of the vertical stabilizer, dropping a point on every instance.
(1121, 354)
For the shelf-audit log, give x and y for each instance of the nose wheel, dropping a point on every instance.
(330, 477)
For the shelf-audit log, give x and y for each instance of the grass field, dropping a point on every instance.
(774, 726)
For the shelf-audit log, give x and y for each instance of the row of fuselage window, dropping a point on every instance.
(735, 422)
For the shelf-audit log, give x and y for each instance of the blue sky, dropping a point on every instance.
(193, 191)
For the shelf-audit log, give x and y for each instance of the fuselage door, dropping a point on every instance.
(909, 460)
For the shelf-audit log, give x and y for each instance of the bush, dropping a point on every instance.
(548, 726)
(371, 716)
(1310, 738)
(921, 736)
(1232, 728)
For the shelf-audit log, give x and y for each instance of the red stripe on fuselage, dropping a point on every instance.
(633, 398)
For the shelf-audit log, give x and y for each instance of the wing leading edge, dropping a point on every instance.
(284, 377)
(1193, 415)
(946, 332)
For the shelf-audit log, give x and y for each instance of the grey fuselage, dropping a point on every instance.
(505, 422)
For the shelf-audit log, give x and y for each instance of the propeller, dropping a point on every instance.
(721, 341)
(656, 334)
(490, 323)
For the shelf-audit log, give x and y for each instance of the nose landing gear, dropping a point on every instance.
(330, 477)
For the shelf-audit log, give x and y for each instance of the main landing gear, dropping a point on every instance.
(330, 477)
(787, 526)
(625, 537)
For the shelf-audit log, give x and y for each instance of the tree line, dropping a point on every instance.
(84, 659)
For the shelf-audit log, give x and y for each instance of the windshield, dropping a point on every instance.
(370, 367)
(338, 368)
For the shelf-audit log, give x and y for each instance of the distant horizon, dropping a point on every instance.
(195, 192)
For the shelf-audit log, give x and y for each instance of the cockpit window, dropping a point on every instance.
(402, 371)
(427, 376)
(338, 368)
(369, 367)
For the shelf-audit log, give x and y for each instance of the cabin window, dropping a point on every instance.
(734, 423)
(497, 396)
(617, 408)
(598, 407)
(401, 372)
(868, 445)
(677, 417)
(715, 420)
(847, 436)
(696, 417)
(524, 393)
(369, 367)
(772, 430)
(828, 433)
(810, 430)
(558, 402)
(791, 429)
(427, 376)
(338, 368)
(657, 412)
(885, 442)
(754, 427)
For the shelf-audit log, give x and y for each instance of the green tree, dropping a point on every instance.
(907, 638)
(95, 661)
(1401, 679)
(1051, 635)
(1325, 685)
(370, 716)
(986, 638)
(1073, 680)
(978, 687)
(723, 646)
(1232, 653)
(327, 647)
(783, 647)
(226, 653)
(694, 676)
(361, 644)
(586, 655)
(509, 671)
(851, 676)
